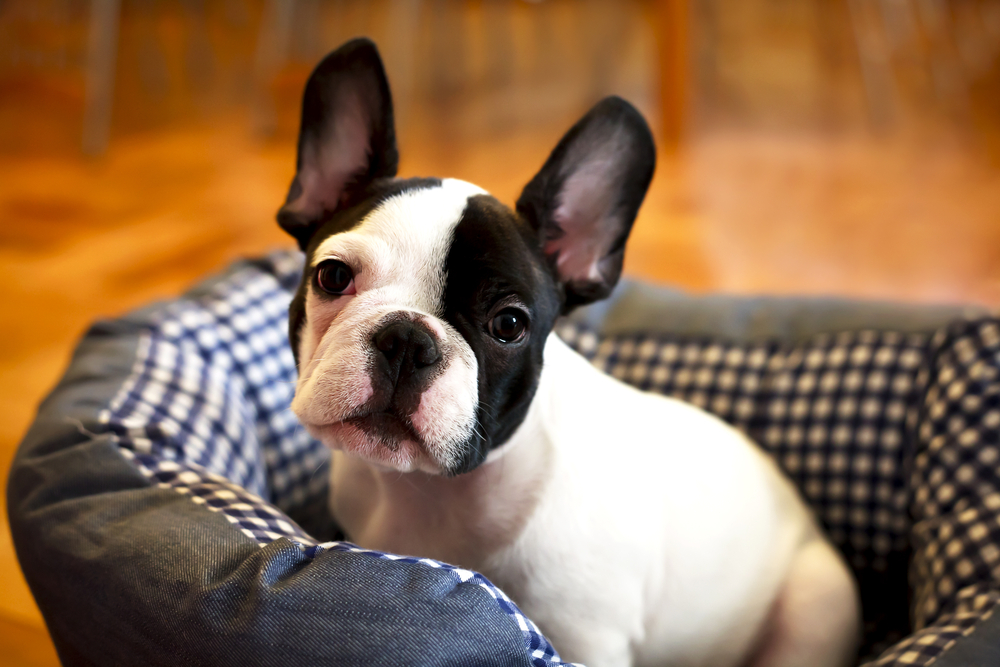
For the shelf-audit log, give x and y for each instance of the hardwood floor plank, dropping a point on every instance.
(24, 645)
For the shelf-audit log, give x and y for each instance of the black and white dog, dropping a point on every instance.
(634, 529)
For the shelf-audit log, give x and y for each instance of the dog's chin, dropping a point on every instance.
(380, 439)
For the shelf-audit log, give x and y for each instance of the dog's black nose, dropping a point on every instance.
(408, 349)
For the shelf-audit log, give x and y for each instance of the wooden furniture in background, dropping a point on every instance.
(188, 183)
(102, 54)
(673, 39)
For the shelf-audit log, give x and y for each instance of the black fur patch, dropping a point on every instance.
(495, 261)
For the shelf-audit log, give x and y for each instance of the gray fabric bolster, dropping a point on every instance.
(129, 574)
(636, 307)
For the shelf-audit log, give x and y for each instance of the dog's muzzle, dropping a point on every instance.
(401, 391)
(408, 359)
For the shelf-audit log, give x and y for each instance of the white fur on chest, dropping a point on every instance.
(629, 526)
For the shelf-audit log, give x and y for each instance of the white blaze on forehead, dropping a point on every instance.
(400, 248)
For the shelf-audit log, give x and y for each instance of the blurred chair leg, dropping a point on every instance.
(199, 58)
(672, 32)
(401, 52)
(102, 51)
(876, 70)
(272, 50)
(499, 36)
(448, 50)
(947, 72)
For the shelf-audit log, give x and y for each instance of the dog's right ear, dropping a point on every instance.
(347, 138)
(585, 198)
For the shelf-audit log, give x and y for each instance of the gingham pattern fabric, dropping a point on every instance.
(873, 427)
(256, 518)
(956, 492)
(211, 387)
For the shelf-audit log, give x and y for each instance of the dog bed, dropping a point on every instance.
(168, 509)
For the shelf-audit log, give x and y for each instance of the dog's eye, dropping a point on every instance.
(335, 277)
(509, 325)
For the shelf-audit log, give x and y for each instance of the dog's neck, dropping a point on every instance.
(467, 518)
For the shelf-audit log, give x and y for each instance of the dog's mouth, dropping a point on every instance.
(383, 438)
(386, 427)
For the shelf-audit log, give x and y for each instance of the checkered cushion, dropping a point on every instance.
(955, 490)
(891, 437)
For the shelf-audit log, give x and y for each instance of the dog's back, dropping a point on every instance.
(668, 536)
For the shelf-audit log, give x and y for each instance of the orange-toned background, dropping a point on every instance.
(844, 147)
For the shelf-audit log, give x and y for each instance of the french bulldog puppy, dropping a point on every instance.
(632, 528)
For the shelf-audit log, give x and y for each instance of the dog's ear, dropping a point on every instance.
(585, 198)
(347, 138)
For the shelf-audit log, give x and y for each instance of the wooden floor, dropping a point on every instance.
(886, 218)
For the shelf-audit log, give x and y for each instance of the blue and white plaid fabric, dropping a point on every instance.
(876, 429)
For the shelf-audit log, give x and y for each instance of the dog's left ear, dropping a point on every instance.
(585, 198)
(347, 138)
